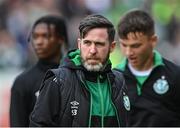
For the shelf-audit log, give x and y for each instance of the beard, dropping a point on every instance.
(91, 67)
(95, 67)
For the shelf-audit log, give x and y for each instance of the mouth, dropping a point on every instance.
(132, 59)
(92, 61)
(39, 51)
(38, 48)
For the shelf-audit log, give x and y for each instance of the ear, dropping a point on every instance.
(154, 40)
(79, 43)
(112, 46)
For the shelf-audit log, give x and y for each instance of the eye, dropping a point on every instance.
(124, 45)
(46, 36)
(87, 42)
(136, 45)
(99, 44)
(34, 36)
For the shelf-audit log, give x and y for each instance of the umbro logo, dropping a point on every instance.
(74, 103)
(74, 107)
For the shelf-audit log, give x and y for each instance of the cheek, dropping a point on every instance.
(123, 50)
(104, 52)
(144, 53)
(84, 52)
(53, 47)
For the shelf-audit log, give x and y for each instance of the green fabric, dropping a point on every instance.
(157, 59)
(141, 80)
(101, 99)
(75, 57)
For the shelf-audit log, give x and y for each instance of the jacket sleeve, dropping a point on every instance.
(46, 110)
(19, 114)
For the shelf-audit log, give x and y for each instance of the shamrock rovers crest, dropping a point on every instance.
(161, 86)
(126, 102)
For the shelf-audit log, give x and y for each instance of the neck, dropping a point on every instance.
(54, 59)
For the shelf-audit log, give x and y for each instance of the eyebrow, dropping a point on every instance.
(94, 41)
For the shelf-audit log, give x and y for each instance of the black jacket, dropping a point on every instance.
(65, 101)
(155, 108)
(24, 91)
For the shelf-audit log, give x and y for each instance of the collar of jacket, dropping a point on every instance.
(45, 65)
(158, 61)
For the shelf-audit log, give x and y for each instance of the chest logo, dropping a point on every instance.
(126, 102)
(161, 86)
(74, 107)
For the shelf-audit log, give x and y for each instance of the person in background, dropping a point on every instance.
(48, 36)
(152, 81)
(83, 91)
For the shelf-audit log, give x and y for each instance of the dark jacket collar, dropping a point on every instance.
(45, 65)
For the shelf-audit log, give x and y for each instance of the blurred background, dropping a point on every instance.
(17, 17)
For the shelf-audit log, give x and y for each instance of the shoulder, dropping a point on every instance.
(24, 78)
(118, 73)
(58, 77)
(172, 71)
(119, 78)
(27, 74)
(171, 67)
(62, 73)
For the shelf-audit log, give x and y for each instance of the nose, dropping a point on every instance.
(38, 41)
(128, 51)
(93, 49)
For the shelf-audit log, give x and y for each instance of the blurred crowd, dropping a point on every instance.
(17, 16)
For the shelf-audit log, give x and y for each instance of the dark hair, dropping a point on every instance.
(96, 21)
(135, 21)
(58, 22)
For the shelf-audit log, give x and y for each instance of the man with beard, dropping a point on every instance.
(84, 91)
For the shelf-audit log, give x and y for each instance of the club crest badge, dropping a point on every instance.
(161, 86)
(126, 102)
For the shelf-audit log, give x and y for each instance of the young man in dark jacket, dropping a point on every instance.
(153, 82)
(48, 36)
(84, 91)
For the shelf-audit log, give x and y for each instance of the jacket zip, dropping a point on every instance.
(117, 115)
(102, 106)
(90, 115)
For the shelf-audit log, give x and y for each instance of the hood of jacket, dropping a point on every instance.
(73, 61)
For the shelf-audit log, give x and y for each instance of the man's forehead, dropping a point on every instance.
(45, 26)
(95, 40)
(135, 35)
